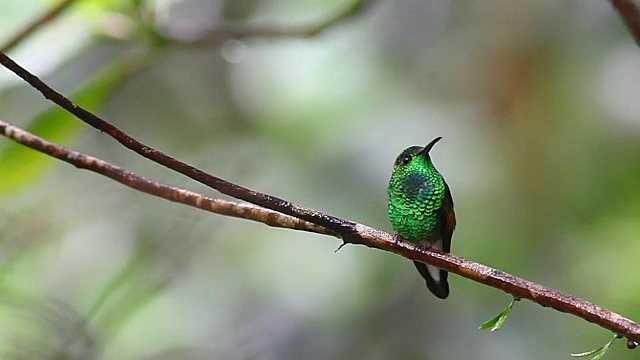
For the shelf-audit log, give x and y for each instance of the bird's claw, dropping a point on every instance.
(422, 246)
(397, 239)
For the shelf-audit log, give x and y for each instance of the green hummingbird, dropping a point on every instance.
(421, 209)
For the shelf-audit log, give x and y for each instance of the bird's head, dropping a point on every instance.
(415, 158)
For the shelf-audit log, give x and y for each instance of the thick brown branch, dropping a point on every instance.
(518, 287)
(36, 24)
(630, 14)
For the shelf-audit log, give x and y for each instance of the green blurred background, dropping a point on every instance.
(538, 105)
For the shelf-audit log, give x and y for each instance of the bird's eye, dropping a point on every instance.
(406, 159)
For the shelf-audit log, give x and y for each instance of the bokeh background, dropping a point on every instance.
(538, 105)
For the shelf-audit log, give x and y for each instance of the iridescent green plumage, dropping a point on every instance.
(421, 209)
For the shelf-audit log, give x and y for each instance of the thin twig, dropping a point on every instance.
(370, 237)
(244, 30)
(630, 14)
(36, 24)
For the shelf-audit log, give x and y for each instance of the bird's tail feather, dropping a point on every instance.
(436, 279)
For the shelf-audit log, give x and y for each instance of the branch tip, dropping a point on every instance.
(340, 247)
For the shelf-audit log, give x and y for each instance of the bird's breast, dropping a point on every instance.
(413, 207)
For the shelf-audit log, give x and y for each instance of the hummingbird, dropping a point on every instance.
(421, 209)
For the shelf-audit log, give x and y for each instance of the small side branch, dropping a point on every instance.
(365, 235)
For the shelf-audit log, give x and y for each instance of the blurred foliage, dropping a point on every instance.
(537, 105)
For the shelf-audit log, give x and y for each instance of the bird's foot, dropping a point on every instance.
(422, 246)
(397, 239)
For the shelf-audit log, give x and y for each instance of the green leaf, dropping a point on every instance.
(491, 323)
(599, 351)
(599, 355)
(496, 322)
(22, 166)
(588, 352)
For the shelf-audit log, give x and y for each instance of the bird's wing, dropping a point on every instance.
(447, 218)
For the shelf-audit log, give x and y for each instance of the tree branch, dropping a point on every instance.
(36, 24)
(365, 235)
(630, 14)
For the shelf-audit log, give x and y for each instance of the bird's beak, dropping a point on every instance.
(426, 149)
